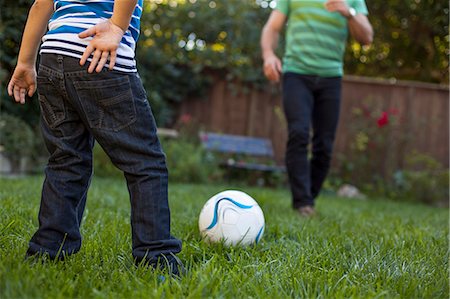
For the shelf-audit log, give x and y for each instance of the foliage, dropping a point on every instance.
(373, 134)
(103, 167)
(16, 139)
(187, 163)
(423, 180)
(12, 20)
(174, 33)
(186, 159)
(411, 42)
(182, 41)
(353, 249)
(375, 141)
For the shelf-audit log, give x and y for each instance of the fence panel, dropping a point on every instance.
(423, 115)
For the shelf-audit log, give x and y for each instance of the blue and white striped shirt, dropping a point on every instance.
(74, 16)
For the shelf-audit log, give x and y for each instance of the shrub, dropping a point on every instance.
(424, 180)
(375, 140)
(188, 162)
(103, 166)
(16, 140)
(374, 137)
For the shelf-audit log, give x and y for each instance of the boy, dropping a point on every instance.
(103, 100)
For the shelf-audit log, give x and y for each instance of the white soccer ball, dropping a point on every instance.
(233, 217)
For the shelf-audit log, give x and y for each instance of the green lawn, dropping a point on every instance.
(360, 249)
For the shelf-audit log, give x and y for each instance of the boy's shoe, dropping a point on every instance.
(174, 267)
(170, 263)
(307, 211)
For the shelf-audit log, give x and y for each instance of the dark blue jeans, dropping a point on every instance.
(309, 101)
(109, 107)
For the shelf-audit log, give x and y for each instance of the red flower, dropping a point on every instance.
(185, 118)
(383, 120)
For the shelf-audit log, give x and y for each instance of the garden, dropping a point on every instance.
(390, 240)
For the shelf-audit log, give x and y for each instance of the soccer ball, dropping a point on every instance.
(233, 217)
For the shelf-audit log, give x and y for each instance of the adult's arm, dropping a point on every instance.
(269, 42)
(359, 25)
(361, 29)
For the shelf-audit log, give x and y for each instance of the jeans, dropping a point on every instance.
(110, 107)
(309, 101)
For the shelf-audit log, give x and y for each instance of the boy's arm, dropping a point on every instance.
(23, 80)
(107, 36)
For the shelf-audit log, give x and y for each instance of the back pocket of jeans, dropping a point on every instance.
(51, 101)
(107, 103)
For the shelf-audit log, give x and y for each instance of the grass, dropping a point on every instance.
(360, 249)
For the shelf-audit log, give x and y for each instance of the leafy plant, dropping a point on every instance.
(424, 180)
(16, 139)
(103, 167)
(369, 157)
(13, 15)
(177, 52)
(411, 42)
(188, 162)
(375, 140)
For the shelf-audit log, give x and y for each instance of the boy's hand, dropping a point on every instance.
(106, 39)
(23, 82)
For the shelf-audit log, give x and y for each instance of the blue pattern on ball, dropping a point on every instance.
(214, 221)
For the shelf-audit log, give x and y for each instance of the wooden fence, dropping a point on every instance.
(420, 112)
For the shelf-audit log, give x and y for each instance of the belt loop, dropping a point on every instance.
(60, 60)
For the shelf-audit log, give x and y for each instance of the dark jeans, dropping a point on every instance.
(110, 107)
(309, 100)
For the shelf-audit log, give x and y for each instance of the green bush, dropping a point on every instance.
(424, 180)
(16, 139)
(103, 166)
(188, 162)
(369, 161)
(371, 153)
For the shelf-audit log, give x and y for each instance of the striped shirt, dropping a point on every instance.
(315, 37)
(71, 17)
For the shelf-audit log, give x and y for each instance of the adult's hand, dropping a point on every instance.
(339, 6)
(272, 68)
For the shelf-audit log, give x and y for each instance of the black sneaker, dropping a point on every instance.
(170, 263)
(173, 265)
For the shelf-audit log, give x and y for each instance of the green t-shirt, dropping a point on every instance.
(315, 37)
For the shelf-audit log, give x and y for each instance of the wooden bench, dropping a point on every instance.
(246, 153)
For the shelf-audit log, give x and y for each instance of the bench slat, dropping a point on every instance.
(237, 144)
(254, 166)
